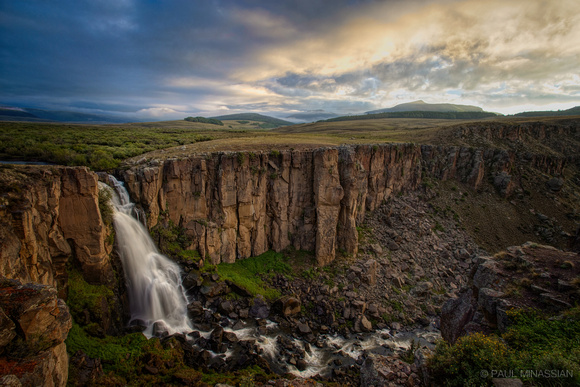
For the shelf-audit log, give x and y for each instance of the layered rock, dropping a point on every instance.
(33, 326)
(49, 215)
(236, 205)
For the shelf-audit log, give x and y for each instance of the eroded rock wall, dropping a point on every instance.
(239, 204)
(49, 215)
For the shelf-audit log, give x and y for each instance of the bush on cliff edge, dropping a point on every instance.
(539, 349)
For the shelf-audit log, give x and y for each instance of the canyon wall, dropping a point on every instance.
(240, 204)
(49, 215)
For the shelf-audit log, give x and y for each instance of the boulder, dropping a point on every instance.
(456, 314)
(259, 308)
(555, 184)
(289, 305)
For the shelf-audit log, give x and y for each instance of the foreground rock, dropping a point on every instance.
(34, 324)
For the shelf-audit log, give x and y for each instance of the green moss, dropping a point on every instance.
(82, 295)
(171, 239)
(249, 273)
(190, 255)
(105, 208)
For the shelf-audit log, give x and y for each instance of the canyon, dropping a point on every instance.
(231, 206)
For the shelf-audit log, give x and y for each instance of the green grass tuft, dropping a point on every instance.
(249, 273)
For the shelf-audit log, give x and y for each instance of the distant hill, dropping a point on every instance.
(427, 107)
(575, 111)
(418, 114)
(15, 112)
(311, 116)
(269, 122)
(37, 115)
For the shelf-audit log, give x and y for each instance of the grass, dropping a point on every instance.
(105, 147)
(84, 296)
(533, 345)
(250, 273)
(101, 147)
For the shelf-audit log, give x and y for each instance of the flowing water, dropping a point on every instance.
(158, 301)
(156, 296)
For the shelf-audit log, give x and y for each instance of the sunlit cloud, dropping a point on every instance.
(339, 55)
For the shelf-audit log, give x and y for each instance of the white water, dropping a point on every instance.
(156, 294)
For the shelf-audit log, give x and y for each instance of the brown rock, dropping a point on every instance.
(38, 353)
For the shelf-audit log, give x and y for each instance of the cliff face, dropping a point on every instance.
(236, 205)
(47, 216)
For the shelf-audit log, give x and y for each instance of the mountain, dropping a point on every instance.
(41, 115)
(575, 111)
(269, 122)
(427, 107)
(312, 116)
(419, 114)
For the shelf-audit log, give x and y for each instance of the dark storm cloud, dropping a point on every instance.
(160, 58)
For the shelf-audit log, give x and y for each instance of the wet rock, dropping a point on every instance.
(212, 289)
(226, 307)
(192, 280)
(289, 305)
(303, 328)
(301, 364)
(160, 329)
(230, 337)
(195, 310)
(215, 339)
(259, 309)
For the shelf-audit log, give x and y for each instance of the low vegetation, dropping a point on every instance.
(251, 273)
(539, 349)
(204, 120)
(101, 147)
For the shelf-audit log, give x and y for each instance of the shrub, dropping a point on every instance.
(462, 364)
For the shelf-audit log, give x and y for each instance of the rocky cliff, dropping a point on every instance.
(47, 216)
(527, 276)
(240, 204)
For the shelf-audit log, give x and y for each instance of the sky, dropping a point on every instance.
(153, 59)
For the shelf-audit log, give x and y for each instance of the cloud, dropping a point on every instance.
(336, 55)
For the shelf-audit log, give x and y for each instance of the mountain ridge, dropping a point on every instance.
(420, 105)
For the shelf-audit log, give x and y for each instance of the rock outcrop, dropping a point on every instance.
(524, 276)
(33, 326)
(235, 205)
(47, 216)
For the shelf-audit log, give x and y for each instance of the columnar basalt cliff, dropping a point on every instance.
(236, 205)
(48, 215)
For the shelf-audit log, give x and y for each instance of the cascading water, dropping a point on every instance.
(156, 295)
(158, 301)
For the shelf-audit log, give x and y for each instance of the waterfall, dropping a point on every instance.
(156, 295)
